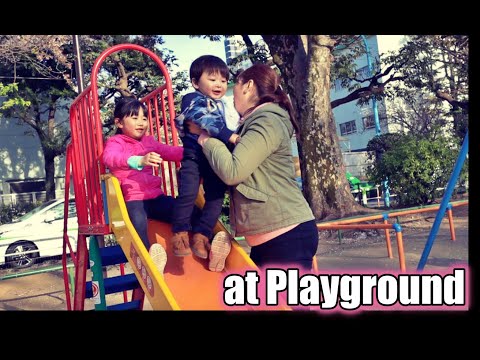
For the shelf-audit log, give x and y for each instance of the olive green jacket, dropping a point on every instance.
(264, 195)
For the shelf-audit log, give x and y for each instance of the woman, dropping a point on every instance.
(266, 205)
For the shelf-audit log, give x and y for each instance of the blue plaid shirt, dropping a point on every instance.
(207, 113)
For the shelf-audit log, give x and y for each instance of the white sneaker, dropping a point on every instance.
(159, 256)
(221, 246)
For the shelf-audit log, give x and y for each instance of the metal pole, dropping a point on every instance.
(378, 131)
(443, 206)
(78, 63)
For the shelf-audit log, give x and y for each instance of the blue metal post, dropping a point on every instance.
(445, 200)
(378, 131)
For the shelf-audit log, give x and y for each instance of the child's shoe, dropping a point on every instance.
(180, 244)
(221, 246)
(159, 256)
(200, 245)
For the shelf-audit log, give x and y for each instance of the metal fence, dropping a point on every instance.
(27, 198)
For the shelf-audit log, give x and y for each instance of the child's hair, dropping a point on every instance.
(128, 106)
(209, 64)
(268, 86)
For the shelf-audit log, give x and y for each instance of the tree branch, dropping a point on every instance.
(447, 97)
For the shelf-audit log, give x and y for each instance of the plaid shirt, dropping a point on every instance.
(207, 113)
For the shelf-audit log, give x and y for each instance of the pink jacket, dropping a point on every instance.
(137, 184)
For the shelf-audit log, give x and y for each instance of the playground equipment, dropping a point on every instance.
(352, 223)
(187, 283)
(357, 187)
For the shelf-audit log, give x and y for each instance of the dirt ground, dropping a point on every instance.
(355, 250)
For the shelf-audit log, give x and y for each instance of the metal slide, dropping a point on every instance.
(187, 284)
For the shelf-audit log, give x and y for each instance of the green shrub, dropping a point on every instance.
(415, 168)
(225, 214)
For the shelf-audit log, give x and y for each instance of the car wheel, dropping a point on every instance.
(16, 258)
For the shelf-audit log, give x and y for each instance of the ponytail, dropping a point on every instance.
(267, 82)
(281, 98)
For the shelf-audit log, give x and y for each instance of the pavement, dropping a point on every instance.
(356, 250)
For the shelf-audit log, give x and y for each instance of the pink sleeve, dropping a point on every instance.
(114, 156)
(169, 152)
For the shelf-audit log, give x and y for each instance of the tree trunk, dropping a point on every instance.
(304, 62)
(49, 157)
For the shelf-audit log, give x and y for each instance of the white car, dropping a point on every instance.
(37, 234)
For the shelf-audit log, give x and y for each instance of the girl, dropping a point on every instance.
(130, 156)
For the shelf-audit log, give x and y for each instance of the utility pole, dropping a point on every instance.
(78, 62)
(378, 131)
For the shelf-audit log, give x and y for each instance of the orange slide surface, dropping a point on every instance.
(187, 283)
(193, 285)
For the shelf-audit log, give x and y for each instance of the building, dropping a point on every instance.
(356, 124)
(22, 173)
(235, 48)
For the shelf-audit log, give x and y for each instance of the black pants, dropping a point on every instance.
(159, 208)
(295, 247)
(194, 167)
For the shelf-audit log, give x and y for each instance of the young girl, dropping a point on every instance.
(130, 156)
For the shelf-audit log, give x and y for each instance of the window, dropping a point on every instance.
(368, 122)
(56, 213)
(348, 127)
(363, 73)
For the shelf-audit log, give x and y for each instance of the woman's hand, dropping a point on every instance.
(152, 159)
(193, 128)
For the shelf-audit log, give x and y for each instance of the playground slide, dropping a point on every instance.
(187, 283)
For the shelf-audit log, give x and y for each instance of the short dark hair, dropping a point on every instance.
(209, 64)
(128, 106)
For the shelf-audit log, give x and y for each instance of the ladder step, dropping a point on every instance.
(111, 255)
(114, 284)
(131, 305)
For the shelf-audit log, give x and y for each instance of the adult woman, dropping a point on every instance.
(266, 205)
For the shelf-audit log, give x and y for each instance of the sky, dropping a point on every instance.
(188, 49)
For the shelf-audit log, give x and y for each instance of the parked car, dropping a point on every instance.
(37, 234)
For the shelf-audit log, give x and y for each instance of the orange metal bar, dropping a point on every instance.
(315, 264)
(391, 214)
(401, 254)
(452, 226)
(353, 226)
(385, 226)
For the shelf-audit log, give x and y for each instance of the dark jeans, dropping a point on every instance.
(159, 208)
(196, 166)
(295, 247)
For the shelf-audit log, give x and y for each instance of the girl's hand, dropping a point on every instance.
(193, 128)
(152, 159)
